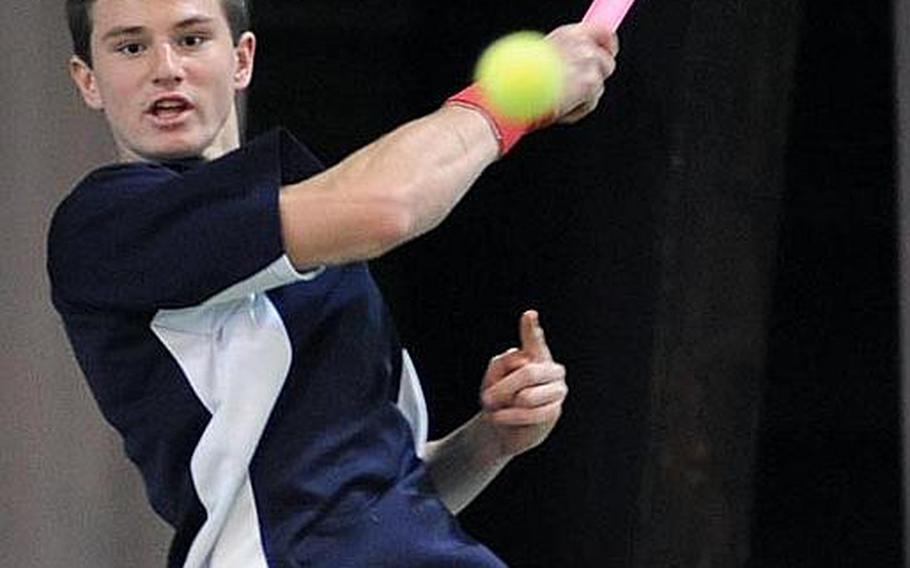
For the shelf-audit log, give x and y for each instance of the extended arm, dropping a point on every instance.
(405, 183)
(395, 189)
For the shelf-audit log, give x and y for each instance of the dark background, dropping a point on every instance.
(713, 253)
(828, 490)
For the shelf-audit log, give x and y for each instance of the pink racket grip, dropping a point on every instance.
(609, 13)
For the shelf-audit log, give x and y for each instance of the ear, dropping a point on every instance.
(84, 78)
(244, 54)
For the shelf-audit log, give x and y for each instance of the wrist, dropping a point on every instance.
(485, 437)
(507, 132)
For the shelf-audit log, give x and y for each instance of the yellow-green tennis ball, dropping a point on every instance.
(521, 75)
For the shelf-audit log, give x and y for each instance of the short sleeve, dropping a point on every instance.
(148, 236)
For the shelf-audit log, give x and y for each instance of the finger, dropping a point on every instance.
(602, 36)
(583, 109)
(606, 64)
(541, 395)
(527, 416)
(533, 341)
(577, 45)
(612, 45)
(593, 66)
(502, 393)
(608, 42)
(504, 364)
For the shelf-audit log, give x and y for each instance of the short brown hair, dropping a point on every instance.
(79, 17)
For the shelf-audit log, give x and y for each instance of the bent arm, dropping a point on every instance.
(463, 463)
(521, 400)
(389, 192)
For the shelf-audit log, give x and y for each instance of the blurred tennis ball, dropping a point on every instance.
(521, 75)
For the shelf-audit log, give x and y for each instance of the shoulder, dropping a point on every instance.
(106, 187)
(276, 154)
(126, 176)
(120, 177)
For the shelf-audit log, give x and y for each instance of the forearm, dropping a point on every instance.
(463, 463)
(391, 191)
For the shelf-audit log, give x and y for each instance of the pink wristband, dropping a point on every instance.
(507, 132)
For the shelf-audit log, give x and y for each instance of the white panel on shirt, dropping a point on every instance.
(235, 352)
(412, 403)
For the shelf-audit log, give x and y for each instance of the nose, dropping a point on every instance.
(167, 65)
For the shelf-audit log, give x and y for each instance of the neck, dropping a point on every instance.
(228, 138)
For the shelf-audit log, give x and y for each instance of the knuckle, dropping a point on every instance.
(524, 398)
(525, 373)
(554, 372)
(505, 354)
(554, 412)
(611, 66)
(540, 373)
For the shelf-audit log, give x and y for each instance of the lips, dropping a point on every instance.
(169, 110)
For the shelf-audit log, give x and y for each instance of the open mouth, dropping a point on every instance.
(168, 110)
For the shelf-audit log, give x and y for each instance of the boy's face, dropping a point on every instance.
(165, 72)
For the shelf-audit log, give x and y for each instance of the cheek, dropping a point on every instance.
(117, 95)
(219, 83)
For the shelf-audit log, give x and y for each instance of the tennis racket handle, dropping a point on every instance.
(609, 13)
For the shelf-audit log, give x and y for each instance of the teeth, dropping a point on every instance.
(169, 105)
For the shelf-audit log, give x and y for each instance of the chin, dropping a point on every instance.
(179, 153)
(174, 150)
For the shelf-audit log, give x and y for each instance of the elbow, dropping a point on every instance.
(325, 228)
(406, 212)
(394, 223)
(412, 211)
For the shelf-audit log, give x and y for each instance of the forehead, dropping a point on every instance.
(153, 14)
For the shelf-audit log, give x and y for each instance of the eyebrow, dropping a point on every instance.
(122, 31)
(194, 21)
(138, 30)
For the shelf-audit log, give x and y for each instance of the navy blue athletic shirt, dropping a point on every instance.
(271, 412)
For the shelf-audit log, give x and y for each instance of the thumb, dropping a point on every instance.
(603, 36)
(533, 342)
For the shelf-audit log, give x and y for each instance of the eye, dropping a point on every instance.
(193, 40)
(132, 48)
